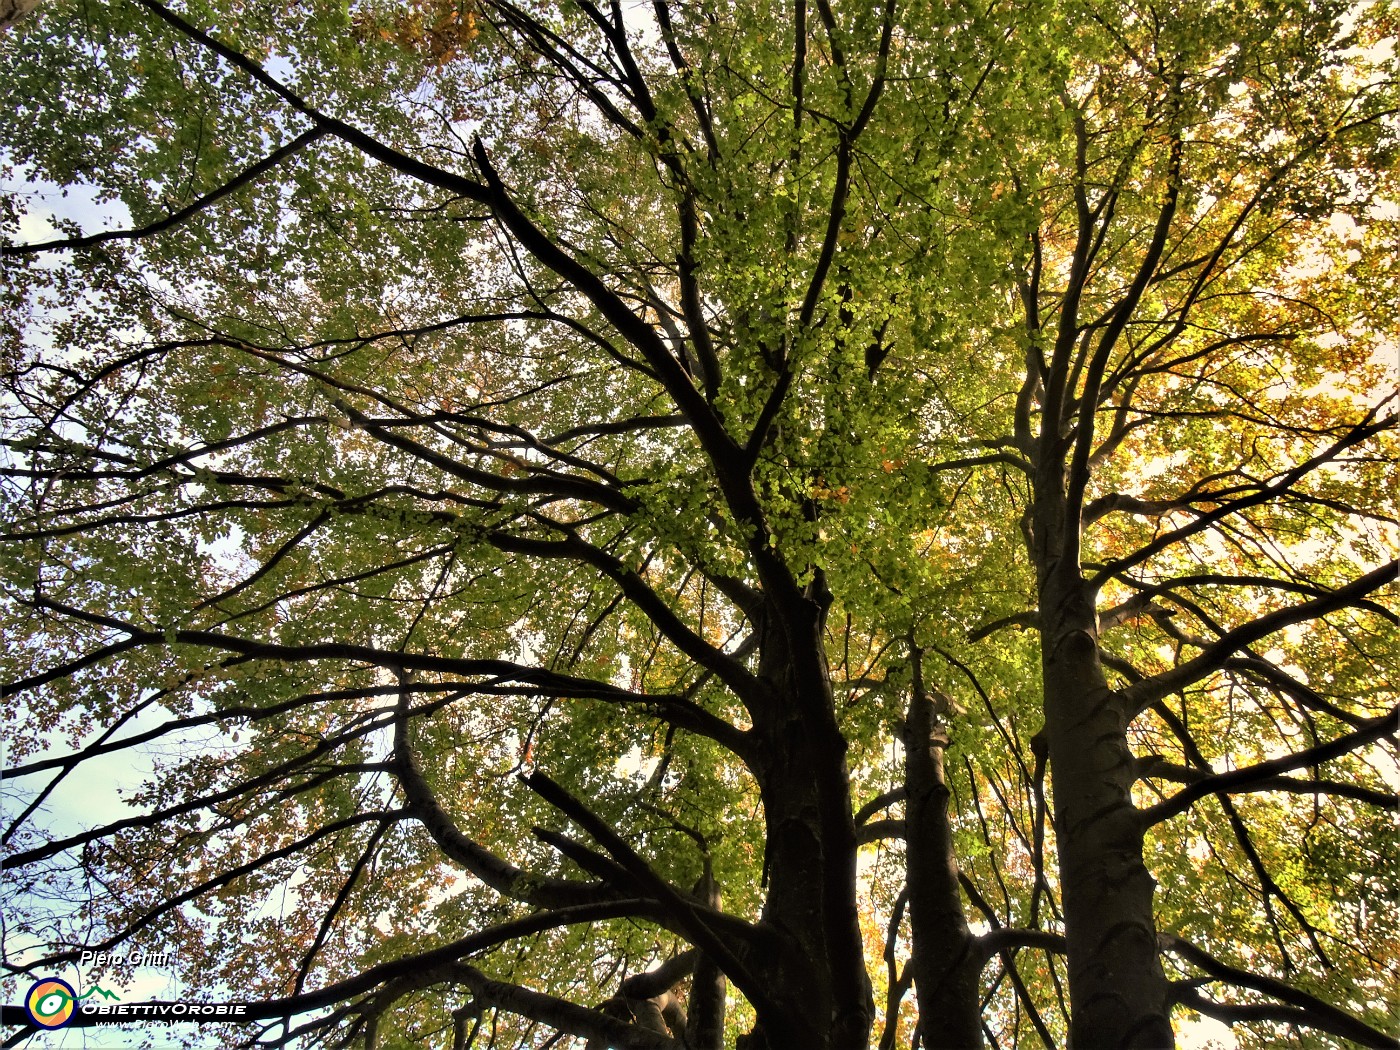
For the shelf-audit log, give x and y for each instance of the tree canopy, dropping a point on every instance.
(661, 525)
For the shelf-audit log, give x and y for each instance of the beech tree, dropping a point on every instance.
(666, 525)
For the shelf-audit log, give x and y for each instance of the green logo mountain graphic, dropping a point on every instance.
(97, 989)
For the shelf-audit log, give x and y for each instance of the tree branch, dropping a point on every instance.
(1139, 696)
(1303, 1009)
(1253, 777)
(240, 180)
(499, 874)
(693, 919)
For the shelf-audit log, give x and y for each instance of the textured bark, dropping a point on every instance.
(1118, 992)
(705, 1025)
(816, 969)
(562, 1014)
(11, 11)
(946, 967)
(648, 999)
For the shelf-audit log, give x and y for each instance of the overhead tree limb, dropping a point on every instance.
(881, 801)
(562, 1014)
(1140, 695)
(1157, 768)
(472, 944)
(243, 178)
(502, 876)
(1252, 777)
(700, 924)
(1369, 426)
(545, 681)
(1302, 1008)
(1005, 938)
(1237, 1013)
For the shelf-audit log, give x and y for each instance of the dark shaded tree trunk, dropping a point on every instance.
(945, 963)
(1118, 993)
(821, 995)
(705, 1024)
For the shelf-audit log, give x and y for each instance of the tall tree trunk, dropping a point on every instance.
(705, 1024)
(1118, 992)
(946, 967)
(817, 970)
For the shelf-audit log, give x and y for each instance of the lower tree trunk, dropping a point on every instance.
(804, 971)
(1118, 992)
(945, 964)
(705, 1025)
(821, 997)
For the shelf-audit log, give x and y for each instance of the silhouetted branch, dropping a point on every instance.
(1301, 1009)
(1250, 777)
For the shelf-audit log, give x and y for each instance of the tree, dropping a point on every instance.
(671, 525)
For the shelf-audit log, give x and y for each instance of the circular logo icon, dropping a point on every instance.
(50, 1003)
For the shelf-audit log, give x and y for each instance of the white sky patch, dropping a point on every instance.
(634, 765)
(91, 794)
(48, 202)
(1204, 1034)
(640, 21)
(1384, 211)
(36, 226)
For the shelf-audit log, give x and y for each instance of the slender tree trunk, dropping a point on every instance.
(946, 967)
(705, 1024)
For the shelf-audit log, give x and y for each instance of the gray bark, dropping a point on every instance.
(11, 11)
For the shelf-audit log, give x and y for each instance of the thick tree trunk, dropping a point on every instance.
(1118, 992)
(816, 972)
(946, 967)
